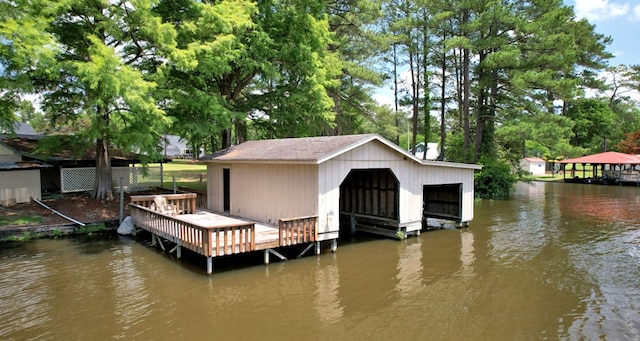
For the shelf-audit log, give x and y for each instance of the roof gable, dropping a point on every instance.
(310, 150)
(294, 150)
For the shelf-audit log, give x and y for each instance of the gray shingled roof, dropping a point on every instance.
(310, 150)
(303, 150)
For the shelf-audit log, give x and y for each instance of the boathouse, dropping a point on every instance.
(354, 182)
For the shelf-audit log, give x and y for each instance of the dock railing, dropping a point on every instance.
(184, 203)
(298, 230)
(201, 195)
(210, 241)
(188, 235)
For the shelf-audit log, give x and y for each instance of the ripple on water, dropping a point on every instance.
(23, 302)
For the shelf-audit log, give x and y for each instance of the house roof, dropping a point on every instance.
(611, 158)
(23, 165)
(533, 159)
(308, 150)
(27, 145)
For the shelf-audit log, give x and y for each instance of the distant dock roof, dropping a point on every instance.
(607, 158)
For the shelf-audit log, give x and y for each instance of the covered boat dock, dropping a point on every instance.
(608, 168)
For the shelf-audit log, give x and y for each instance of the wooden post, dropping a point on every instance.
(317, 248)
(121, 202)
(334, 245)
(209, 265)
(266, 257)
(352, 224)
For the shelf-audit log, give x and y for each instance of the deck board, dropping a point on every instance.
(267, 235)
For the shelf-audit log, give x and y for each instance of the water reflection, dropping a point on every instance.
(409, 276)
(132, 303)
(327, 299)
(467, 256)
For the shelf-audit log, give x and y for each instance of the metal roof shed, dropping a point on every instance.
(338, 178)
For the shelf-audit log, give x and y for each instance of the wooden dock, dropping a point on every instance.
(176, 218)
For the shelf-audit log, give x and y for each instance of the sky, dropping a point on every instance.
(619, 19)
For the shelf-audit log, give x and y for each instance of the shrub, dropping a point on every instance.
(495, 180)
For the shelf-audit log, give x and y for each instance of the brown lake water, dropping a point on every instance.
(557, 261)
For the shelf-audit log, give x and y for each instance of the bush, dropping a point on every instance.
(495, 180)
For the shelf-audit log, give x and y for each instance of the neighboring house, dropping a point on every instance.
(534, 165)
(21, 128)
(67, 169)
(362, 182)
(432, 151)
(175, 147)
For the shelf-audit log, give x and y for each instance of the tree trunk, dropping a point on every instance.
(395, 92)
(225, 138)
(443, 97)
(104, 182)
(467, 86)
(414, 100)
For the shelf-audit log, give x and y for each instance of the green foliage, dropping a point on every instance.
(91, 229)
(495, 180)
(25, 237)
(456, 151)
(594, 123)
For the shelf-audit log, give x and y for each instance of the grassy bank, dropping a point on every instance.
(186, 172)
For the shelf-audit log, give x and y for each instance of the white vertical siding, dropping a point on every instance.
(411, 175)
(268, 192)
(214, 187)
(20, 185)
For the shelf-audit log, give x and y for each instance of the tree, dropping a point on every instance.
(91, 62)
(22, 38)
(359, 47)
(250, 69)
(210, 49)
(593, 124)
(631, 144)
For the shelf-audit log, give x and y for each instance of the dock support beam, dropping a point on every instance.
(334, 245)
(268, 251)
(306, 250)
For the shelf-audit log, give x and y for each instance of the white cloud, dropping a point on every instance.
(383, 98)
(595, 10)
(636, 13)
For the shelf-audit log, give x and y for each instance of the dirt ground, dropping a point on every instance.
(78, 207)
